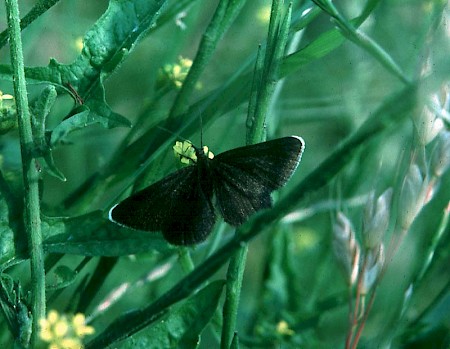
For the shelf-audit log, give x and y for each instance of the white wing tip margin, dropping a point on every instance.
(302, 141)
(110, 214)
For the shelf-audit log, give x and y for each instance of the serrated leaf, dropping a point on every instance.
(182, 326)
(93, 235)
(105, 46)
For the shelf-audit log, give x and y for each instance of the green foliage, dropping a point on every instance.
(181, 328)
(97, 238)
(354, 252)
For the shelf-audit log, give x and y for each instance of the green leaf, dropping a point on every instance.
(41, 109)
(63, 277)
(80, 119)
(94, 110)
(324, 44)
(93, 235)
(50, 166)
(7, 243)
(182, 326)
(39, 112)
(7, 246)
(16, 313)
(106, 45)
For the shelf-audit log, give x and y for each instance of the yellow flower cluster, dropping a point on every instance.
(64, 331)
(283, 328)
(186, 152)
(178, 72)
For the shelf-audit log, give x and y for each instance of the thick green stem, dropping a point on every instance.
(30, 173)
(235, 275)
(263, 95)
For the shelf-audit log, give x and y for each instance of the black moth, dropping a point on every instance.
(241, 180)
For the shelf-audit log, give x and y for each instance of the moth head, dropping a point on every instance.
(185, 151)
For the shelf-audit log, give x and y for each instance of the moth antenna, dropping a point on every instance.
(201, 132)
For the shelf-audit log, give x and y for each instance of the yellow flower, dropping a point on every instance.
(64, 331)
(178, 72)
(283, 328)
(81, 329)
(186, 152)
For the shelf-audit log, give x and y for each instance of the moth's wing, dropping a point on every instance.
(148, 208)
(244, 177)
(171, 205)
(192, 215)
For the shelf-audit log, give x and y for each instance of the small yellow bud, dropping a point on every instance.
(283, 328)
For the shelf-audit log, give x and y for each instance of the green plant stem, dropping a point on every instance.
(235, 275)
(363, 321)
(356, 310)
(263, 88)
(267, 78)
(223, 17)
(360, 39)
(185, 260)
(30, 173)
(40, 8)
